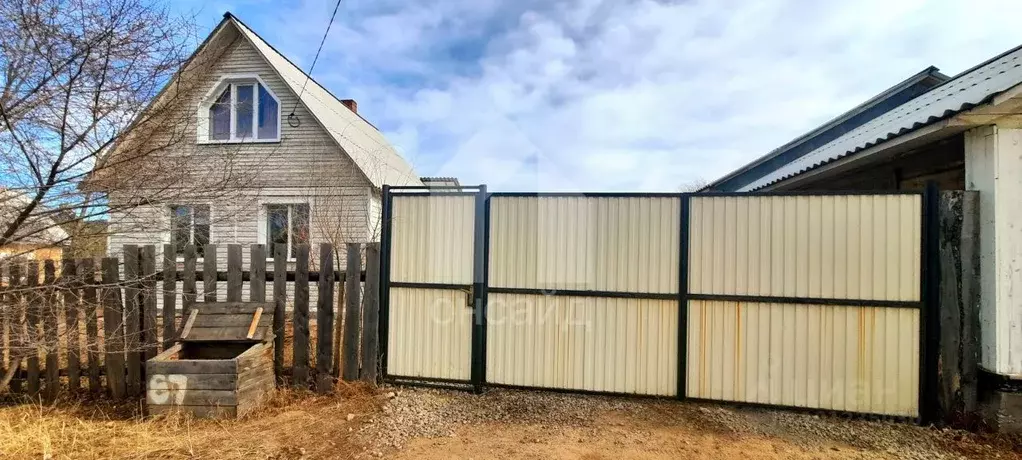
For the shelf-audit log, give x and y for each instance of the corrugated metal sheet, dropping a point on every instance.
(430, 334)
(965, 91)
(857, 359)
(583, 343)
(843, 247)
(432, 239)
(585, 243)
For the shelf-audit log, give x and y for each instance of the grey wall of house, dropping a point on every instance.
(306, 166)
(942, 162)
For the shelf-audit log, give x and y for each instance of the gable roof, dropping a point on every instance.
(367, 147)
(887, 100)
(40, 228)
(961, 93)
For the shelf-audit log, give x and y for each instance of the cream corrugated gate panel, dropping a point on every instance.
(836, 247)
(847, 358)
(583, 343)
(623, 244)
(431, 329)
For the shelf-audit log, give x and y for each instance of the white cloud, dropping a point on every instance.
(636, 95)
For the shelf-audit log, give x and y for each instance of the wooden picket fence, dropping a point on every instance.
(98, 325)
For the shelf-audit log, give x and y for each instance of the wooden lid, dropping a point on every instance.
(229, 322)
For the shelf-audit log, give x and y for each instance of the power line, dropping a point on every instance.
(308, 75)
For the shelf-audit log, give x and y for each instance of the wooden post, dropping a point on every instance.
(17, 300)
(72, 307)
(325, 320)
(6, 327)
(352, 316)
(32, 311)
(51, 336)
(188, 292)
(234, 283)
(113, 321)
(87, 274)
(371, 314)
(257, 273)
(300, 324)
(150, 329)
(169, 295)
(132, 321)
(209, 273)
(280, 301)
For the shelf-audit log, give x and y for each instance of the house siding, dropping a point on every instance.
(306, 166)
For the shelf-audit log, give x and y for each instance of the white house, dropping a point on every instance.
(260, 153)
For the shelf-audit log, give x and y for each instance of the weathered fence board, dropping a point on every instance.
(32, 299)
(112, 326)
(351, 314)
(132, 321)
(280, 301)
(234, 273)
(300, 324)
(169, 295)
(72, 308)
(50, 334)
(371, 315)
(150, 330)
(209, 273)
(87, 273)
(325, 321)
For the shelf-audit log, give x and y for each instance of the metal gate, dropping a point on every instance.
(788, 299)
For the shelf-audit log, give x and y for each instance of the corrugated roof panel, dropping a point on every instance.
(962, 93)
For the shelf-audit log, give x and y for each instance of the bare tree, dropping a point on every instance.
(90, 122)
(693, 185)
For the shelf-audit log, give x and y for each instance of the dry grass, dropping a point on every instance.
(291, 425)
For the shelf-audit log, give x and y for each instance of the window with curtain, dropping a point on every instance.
(189, 225)
(244, 111)
(287, 224)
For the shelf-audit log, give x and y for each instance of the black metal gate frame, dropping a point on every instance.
(929, 289)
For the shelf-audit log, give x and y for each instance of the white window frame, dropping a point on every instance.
(233, 81)
(264, 215)
(169, 239)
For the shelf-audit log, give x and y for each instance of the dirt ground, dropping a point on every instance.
(405, 423)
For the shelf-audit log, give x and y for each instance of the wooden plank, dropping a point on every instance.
(234, 284)
(169, 295)
(195, 411)
(51, 336)
(113, 323)
(188, 292)
(325, 321)
(32, 313)
(87, 275)
(190, 366)
(253, 356)
(257, 265)
(300, 324)
(371, 315)
(190, 397)
(226, 334)
(72, 309)
(187, 329)
(255, 323)
(169, 353)
(236, 320)
(209, 273)
(150, 329)
(233, 308)
(279, 302)
(17, 340)
(352, 315)
(194, 382)
(132, 320)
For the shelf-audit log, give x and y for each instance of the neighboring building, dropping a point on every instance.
(964, 133)
(309, 168)
(440, 181)
(39, 237)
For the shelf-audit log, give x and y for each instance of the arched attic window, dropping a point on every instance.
(240, 108)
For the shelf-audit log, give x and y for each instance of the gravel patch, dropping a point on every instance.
(429, 413)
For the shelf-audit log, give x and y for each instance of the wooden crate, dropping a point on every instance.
(222, 365)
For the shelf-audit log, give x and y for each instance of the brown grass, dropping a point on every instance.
(293, 424)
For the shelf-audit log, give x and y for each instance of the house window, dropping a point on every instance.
(242, 110)
(189, 225)
(287, 224)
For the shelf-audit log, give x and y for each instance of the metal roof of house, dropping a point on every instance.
(963, 92)
(366, 145)
(887, 100)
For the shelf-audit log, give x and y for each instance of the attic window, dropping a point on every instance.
(240, 110)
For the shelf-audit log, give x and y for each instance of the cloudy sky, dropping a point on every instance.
(615, 95)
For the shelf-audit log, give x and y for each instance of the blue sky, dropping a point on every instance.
(623, 95)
